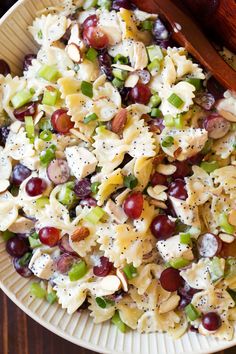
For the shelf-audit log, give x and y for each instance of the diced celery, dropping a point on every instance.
(130, 271)
(216, 269)
(6, 235)
(179, 121)
(116, 320)
(120, 74)
(121, 59)
(95, 215)
(154, 67)
(29, 127)
(168, 141)
(21, 98)
(23, 261)
(45, 124)
(49, 73)
(47, 156)
(154, 52)
(185, 238)
(209, 166)
(169, 121)
(37, 291)
(178, 263)
(91, 54)
(155, 101)
(197, 83)
(34, 243)
(89, 3)
(117, 83)
(41, 202)
(175, 100)
(191, 312)
(50, 96)
(225, 225)
(52, 297)
(78, 271)
(90, 118)
(66, 195)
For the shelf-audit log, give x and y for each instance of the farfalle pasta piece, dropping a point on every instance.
(225, 332)
(18, 146)
(188, 214)
(219, 204)
(172, 248)
(146, 273)
(109, 23)
(225, 146)
(143, 223)
(166, 78)
(68, 86)
(142, 170)
(5, 170)
(99, 314)
(129, 312)
(8, 210)
(88, 70)
(109, 185)
(180, 328)
(78, 106)
(211, 223)
(153, 321)
(198, 186)
(226, 178)
(198, 275)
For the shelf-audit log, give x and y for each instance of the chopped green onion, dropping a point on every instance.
(191, 312)
(209, 166)
(120, 59)
(40, 34)
(46, 135)
(225, 225)
(207, 147)
(49, 73)
(232, 293)
(169, 121)
(185, 238)
(155, 101)
(23, 261)
(117, 83)
(37, 291)
(156, 112)
(95, 215)
(87, 89)
(154, 52)
(91, 54)
(179, 121)
(147, 25)
(130, 271)
(45, 124)
(21, 98)
(230, 268)
(90, 118)
(175, 100)
(50, 96)
(178, 263)
(120, 74)
(29, 127)
(41, 202)
(34, 243)
(154, 67)
(168, 141)
(88, 4)
(78, 271)
(105, 4)
(66, 195)
(216, 270)
(47, 156)
(52, 297)
(6, 235)
(35, 235)
(197, 83)
(116, 320)
(130, 181)
(94, 187)
(101, 302)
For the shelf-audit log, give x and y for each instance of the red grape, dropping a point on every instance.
(211, 321)
(156, 125)
(183, 169)
(35, 186)
(160, 31)
(196, 159)
(58, 171)
(216, 126)
(83, 188)
(95, 37)
(88, 202)
(105, 63)
(177, 189)
(90, 21)
(140, 94)
(24, 271)
(133, 205)
(187, 292)
(28, 110)
(209, 245)
(183, 302)
(170, 279)
(215, 88)
(158, 179)
(104, 268)
(28, 61)
(19, 174)
(144, 76)
(4, 68)
(4, 132)
(17, 247)
(228, 249)
(118, 4)
(65, 247)
(61, 121)
(49, 236)
(64, 263)
(162, 227)
(205, 100)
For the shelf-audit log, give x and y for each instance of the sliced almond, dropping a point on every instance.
(124, 283)
(157, 192)
(158, 159)
(169, 304)
(177, 152)
(123, 67)
(118, 123)
(166, 170)
(158, 204)
(226, 237)
(22, 226)
(74, 52)
(80, 234)
(228, 115)
(132, 80)
(232, 217)
(110, 283)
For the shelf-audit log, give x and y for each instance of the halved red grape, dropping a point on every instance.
(105, 63)
(216, 125)
(28, 110)
(58, 171)
(91, 21)
(205, 100)
(160, 31)
(17, 247)
(83, 188)
(118, 4)
(49, 236)
(64, 263)
(158, 179)
(104, 268)
(24, 271)
(61, 121)
(211, 321)
(156, 125)
(124, 92)
(133, 205)
(95, 37)
(162, 227)
(35, 186)
(91, 202)
(177, 189)
(196, 159)
(4, 68)
(19, 174)
(171, 280)
(28, 61)
(140, 94)
(209, 245)
(215, 88)
(187, 292)
(65, 247)
(4, 132)
(144, 76)
(183, 169)
(183, 302)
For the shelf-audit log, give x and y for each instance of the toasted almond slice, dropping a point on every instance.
(157, 192)
(118, 123)
(169, 304)
(15, 127)
(177, 152)
(132, 80)
(226, 237)
(124, 283)
(123, 67)
(166, 170)
(74, 52)
(22, 226)
(232, 217)
(228, 115)
(158, 204)
(4, 184)
(110, 283)
(80, 234)
(158, 159)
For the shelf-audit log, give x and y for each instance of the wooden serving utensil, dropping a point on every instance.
(188, 34)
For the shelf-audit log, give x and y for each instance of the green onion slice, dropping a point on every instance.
(209, 166)
(175, 101)
(90, 118)
(87, 89)
(91, 54)
(168, 141)
(130, 271)
(116, 320)
(29, 127)
(191, 312)
(46, 135)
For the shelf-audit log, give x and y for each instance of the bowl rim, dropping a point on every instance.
(50, 327)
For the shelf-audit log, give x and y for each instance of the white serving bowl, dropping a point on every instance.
(79, 328)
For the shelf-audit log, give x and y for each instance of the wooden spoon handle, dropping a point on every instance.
(188, 34)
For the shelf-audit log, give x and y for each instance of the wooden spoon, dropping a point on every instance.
(188, 34)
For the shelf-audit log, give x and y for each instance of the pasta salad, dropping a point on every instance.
(118, 173)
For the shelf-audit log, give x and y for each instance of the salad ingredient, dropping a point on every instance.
(209, 245)
(58, 171)
(170, 279)
(140, 94)
(162, 227)
(118, 123)
(211, 321)
(133, 205)
(177, 189)
(19, 174)
(4, 68)
(28, 110)
(78, 271)
(22, 269)
(216, 126)
(49, 236)
(35, 186)
(83, 188)
(104, 268)
(17, 247)
(61, 121)
(64, 263)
